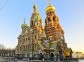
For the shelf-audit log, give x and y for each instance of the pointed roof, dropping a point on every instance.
(35, 8)
(35, 15)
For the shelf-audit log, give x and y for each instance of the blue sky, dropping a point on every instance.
(70, 13)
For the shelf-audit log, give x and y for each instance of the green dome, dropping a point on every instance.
(24, 25)
(35, 7)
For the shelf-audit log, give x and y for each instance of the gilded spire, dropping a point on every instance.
(33, 1)
(49, 2)
(35, 7)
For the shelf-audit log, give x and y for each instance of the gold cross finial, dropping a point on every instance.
(24, 20)
(35, 7)
(33, 2)
(49, 2)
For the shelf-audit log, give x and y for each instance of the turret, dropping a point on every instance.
(36, 22)
(52, 25)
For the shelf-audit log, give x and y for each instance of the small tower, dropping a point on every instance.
(24, 41)
(52, 26)
(36, 23)
(53, 29)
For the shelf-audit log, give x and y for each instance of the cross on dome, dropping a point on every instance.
(24, 20)
(49, 2)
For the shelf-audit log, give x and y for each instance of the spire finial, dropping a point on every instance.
(33, 2)
(35, 9)
(49, 2)
(24, 20)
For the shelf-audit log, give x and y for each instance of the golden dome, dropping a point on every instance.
(49, 8)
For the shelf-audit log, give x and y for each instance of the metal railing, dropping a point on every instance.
(54, 59)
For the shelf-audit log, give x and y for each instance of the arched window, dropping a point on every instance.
(26, 39)
(20, 48)
(49, 19)
(54, 18)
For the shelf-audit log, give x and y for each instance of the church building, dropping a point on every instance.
(35, 39)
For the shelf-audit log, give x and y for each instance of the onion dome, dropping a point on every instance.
(35, 9)
(50, 8)
(24, 24)
(36, 16)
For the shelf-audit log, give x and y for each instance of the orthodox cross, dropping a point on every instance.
(24, 20)
(33, 2)
(49, 2)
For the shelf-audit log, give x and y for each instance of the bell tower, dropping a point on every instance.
(52, 25)
(36, 22)
(53, 30)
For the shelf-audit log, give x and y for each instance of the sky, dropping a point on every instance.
(70, 13)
